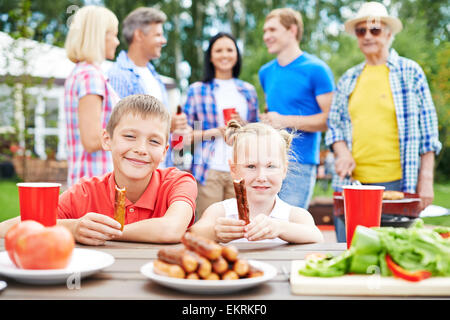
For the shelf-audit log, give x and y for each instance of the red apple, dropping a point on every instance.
(47, 248)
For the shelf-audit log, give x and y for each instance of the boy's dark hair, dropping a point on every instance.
(209, 71)
(139, 104)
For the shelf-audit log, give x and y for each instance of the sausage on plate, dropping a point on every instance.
(180, 257)
(167, 269)
(202, 245)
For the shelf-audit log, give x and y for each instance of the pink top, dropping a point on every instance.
(86, 79)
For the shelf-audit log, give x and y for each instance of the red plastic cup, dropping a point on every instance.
(227, 114)
(362, 206)
(39, 202)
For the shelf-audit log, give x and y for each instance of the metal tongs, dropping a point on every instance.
(353, 182)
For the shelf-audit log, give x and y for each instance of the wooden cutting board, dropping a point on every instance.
(365, 285)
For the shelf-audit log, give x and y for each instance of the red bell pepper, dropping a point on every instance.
(399, 272)
(445, 235)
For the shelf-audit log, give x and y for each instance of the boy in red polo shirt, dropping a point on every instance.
(160, 203)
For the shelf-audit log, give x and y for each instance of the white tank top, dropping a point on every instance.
(281, 211)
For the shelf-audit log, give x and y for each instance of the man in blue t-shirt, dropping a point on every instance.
(299, 89)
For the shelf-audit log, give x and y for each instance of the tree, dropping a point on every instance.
(23, 102)
(46, 18)
(191, 23)
(440, 86)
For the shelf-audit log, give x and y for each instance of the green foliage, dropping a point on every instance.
(254, 56)
(45, 20)
(440, 85)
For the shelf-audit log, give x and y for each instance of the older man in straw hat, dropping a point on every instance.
(382, 122)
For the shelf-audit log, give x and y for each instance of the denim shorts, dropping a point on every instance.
(298, 186)
(339, 223)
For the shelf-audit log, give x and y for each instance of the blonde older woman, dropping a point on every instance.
(88, 97)
(382, 122)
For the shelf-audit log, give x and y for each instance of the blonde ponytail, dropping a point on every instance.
(233, 128)
(287, 137)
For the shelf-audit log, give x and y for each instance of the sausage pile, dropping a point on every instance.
(203, 259)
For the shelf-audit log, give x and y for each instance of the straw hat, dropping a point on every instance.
(371, 12)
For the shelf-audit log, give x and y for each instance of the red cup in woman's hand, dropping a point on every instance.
(227, 114)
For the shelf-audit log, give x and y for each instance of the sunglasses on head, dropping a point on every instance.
(361, 32)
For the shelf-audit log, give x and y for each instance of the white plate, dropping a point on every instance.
(211, 286)
(255, 245)
(83, 263)
(3, 285)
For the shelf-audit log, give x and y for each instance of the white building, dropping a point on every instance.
(48, 63)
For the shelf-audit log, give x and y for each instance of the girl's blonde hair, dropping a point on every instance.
(235, 134)
(86, 38)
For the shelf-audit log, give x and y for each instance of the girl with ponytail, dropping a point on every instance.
(260, 157)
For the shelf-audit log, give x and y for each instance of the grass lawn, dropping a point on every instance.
(442, 195)
(9, 199)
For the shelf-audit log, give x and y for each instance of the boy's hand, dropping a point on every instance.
(95, 229)
(262, 227)
(227, 229)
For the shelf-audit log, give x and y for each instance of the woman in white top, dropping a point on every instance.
(260, 157)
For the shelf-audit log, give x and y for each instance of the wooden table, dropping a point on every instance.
(123, 279)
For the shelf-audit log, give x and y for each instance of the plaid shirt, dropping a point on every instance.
(201, 111)
(86, 79)
(125, 79)
(416, 116)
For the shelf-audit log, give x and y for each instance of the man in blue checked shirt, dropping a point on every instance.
(383, 126)
(132, 73)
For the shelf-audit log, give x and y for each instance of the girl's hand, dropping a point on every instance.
(95, 229)
(262, 227)
(227, 229)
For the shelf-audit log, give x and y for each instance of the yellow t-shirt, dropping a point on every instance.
(375, 147)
